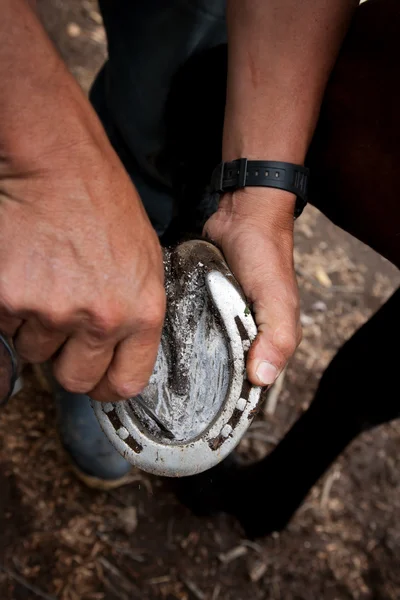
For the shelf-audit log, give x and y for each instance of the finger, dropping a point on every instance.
(82, 363)
(132, 366)
(279, 332)
(36, 343)
(9, 325)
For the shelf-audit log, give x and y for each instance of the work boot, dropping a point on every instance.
(93, 458)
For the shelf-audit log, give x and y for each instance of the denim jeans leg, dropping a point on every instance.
(148, 42)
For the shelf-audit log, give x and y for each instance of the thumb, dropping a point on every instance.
(275, 304)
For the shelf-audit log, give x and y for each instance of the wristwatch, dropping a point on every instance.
(240, 173)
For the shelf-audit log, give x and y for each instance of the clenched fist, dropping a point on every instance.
(81, 273)
(254, 228)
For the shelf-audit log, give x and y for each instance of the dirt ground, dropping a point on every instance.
(60, 540)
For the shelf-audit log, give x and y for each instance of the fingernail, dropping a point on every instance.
(266, 373)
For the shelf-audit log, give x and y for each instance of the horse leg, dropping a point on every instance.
(265, 495)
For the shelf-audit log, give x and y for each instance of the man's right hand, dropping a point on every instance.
(81, 271)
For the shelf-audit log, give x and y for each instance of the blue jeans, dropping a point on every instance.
(148, 41)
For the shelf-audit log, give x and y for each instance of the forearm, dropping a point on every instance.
(281, 53)
(41, 106)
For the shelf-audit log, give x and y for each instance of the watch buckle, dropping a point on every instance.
(217, 178)
(242, 173)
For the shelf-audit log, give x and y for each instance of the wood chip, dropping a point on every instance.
(192, 587)
(253, 546)
(257, 570)
(216, 592)
(159, 580)
(306, 320)
(319, 306)
(96, 17)
(73, 30)
(26, 584)
(124, 583)
(98, 35)
(326, 490)
(127, 519)
(236, 552)
(323, 277)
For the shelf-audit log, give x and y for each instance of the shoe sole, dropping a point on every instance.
(96, 483)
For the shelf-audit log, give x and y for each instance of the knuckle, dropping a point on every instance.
(73, 384)
(55, 317)
(153, 318)
(105, 322)
(124, 389)
(151, 322)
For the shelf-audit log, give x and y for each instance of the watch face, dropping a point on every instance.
(8, 369)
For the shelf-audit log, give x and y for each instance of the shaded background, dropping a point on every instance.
(60, 540)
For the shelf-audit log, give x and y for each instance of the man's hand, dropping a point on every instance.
(81, 270)
(254, 229)
(81, 273)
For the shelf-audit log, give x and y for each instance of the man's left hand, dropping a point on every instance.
(254, 229)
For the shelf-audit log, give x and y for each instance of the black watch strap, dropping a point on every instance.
(240, 173)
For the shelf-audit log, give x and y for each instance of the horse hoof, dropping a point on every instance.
(198, 403)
